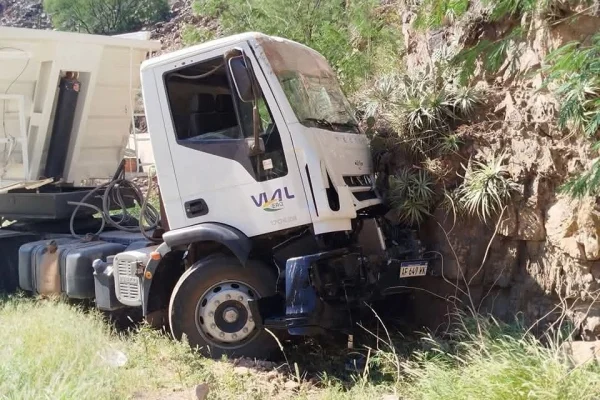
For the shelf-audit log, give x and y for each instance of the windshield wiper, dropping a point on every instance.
(320, 122)
(348, 124)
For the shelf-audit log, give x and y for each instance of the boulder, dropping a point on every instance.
(201, 391)
(573, 226)
(581, 353)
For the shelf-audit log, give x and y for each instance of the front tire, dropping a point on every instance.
(209, 305)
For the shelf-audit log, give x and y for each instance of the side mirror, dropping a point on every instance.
(241, 79)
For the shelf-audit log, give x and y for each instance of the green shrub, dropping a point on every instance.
(433, 13)
(351, 35)
(487, 187)
(191, 35)
(411, 194)
(106, 17)
(421, 108)
(449, 144)
(574, 76)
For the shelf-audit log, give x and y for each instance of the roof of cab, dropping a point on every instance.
(177, 55)
(199, 48)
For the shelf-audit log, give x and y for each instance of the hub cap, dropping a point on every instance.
(223, 315)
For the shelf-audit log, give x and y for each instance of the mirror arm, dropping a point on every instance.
(256, 150)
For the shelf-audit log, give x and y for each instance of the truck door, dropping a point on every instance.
(210, 135)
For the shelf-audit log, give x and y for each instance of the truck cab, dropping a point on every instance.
(273, 219)
(306, 162)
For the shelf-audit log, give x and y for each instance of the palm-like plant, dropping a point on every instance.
(424, 103)
(411, 194)
(486, 188)
(575, 70)
(449, 144)
(464, 99)
(380, 96)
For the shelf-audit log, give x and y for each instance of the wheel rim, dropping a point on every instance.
(223, 316)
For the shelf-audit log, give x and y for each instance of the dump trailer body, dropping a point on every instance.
(85, 125)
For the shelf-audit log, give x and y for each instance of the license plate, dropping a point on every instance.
(129, 280)
(410, 269)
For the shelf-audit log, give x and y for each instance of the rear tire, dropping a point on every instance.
(209, 306)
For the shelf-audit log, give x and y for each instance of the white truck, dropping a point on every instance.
(269, 213)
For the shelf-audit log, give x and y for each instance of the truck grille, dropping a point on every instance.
(358, 180)
(127, 282)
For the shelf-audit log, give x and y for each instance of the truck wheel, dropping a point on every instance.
(209, 305)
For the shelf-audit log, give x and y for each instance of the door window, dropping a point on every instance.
(208, 116)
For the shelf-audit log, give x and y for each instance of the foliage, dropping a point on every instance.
(380, 95)
(106, 17)
(487, 359)
(421, 108)
(491, 52)
(575, 70)
(434, 13)
(425, 104)
(574, 75)
(355, 36)
(585, 184)
(54, 350)
(411, 194)
(191, 35)
(449, 144)
(486, 188)
(511, 8)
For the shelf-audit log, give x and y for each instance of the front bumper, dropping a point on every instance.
(307, 312)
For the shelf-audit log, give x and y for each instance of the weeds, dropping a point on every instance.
(380, 96)
(574, 71)
(421, 108)
(411, 194)
(51, 349)
(433, 13)
(191, 35)
(449, 144)
(464, 99)
(486, 188)
(493, 360)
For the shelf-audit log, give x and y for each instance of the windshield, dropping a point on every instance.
(310, 86)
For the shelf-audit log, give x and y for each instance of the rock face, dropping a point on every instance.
(544, 259)
(24, 14)
(581, 353)
(182, 14)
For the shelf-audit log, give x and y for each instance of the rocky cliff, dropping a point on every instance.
(24, 14)
(540, 258)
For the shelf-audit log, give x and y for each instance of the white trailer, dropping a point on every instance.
(32, 63)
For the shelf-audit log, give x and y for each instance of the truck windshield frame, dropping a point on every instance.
(310, 86)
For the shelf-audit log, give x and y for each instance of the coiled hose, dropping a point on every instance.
(114, 192)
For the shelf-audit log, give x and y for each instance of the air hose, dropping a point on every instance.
(115, 192)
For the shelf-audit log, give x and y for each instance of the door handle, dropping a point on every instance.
(196, 208)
